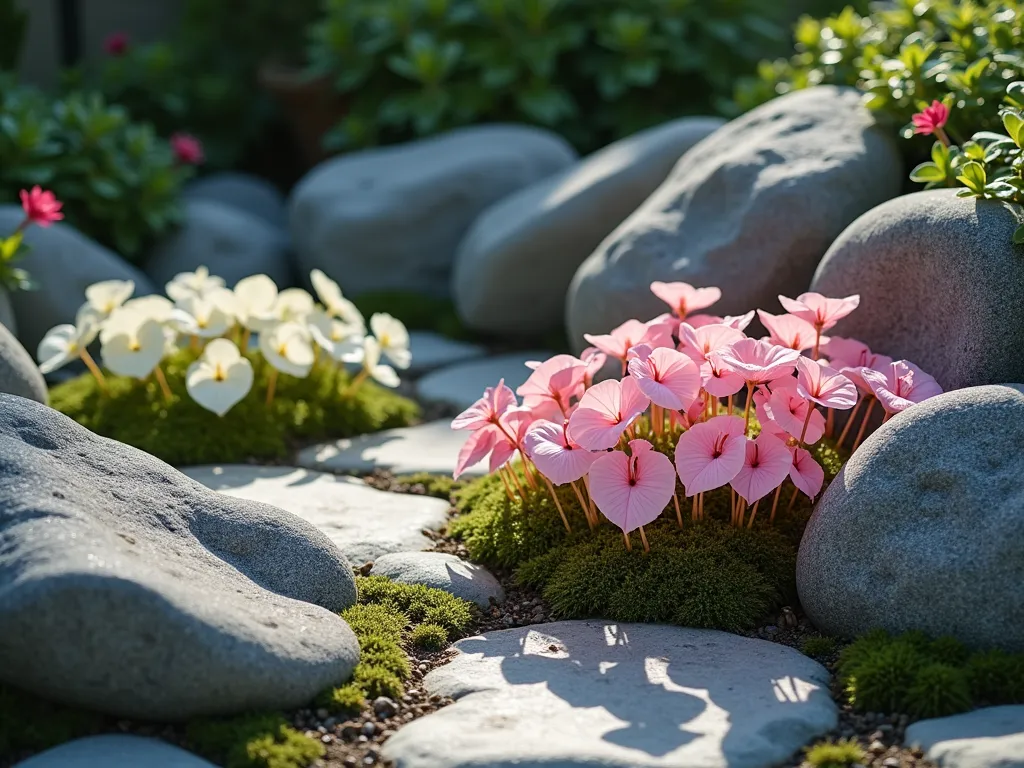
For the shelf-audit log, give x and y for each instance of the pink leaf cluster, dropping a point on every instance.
(697, 378)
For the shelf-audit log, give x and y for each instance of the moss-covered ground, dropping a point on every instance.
(388, 619)
(698, 574)
(183, 433)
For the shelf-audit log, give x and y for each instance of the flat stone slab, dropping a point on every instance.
(442, 571)
(432, 447)
(463, 384)
(432, 350)
(363, 522)
(985, 738)
(596, 693)
(115, 751)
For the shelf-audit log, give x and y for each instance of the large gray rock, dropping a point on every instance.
(751, 209)
(392, 218)
(593, 693)
(924, 527)
(431, 350)
(985, 738)
(363, 522)
(64, 262)
(513, 268)
(129, 589)
(232, 243)
(19, 375)
(251, 194)
(442, 571)
(117, 750)
(940, 284)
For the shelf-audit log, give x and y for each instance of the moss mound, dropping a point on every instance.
(927, 678)
(836, 754)
(182, 433)
(705, 574)
(253, 741)
(438, 486)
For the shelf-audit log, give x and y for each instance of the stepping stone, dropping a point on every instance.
(985, 738)
(442, 571)
(365, 523)
(115, 751)
(463, 384)
(432, 447)
(432, 350)
(595, 693)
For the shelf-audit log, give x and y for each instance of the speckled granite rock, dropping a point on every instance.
(940, 283)
(751, 209)
(992, 737)
(441, 571)
(129, 589)
(924, 527)
(606, 695)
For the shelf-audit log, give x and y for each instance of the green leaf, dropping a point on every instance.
(927, 173)
(1018, 235)
(972, 175)
(1014, 125)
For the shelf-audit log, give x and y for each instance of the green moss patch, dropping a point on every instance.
(913, 674)
(252, 741)
(438, 486)
(836, 754)
(820, 647)
(182, 433)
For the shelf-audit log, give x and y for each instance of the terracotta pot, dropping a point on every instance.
(311, 106)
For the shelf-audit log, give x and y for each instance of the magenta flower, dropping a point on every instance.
(698, 343)
(718, 379)
(820, 311)
(758, 362)
(669, 378)
(931, 119)
(789, 331)
(604, 413)
(632, 332)
(553, 385)
(632, 490)
(806, 473)
(710, 454)
(766, 464)
(824, 385)
(41, 207)
(187, 149)
(116, 44)
(558, 458)
(683, 298)
(901, 385)
(787, 409)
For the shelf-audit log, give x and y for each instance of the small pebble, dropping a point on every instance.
(876, 736)
(876, 748)
(369, 760)
(327, 738)
(891, 762)
(384, 706)
(369, 729)
(508, 621)
(322, 713)
(362, 739)
(350, 762)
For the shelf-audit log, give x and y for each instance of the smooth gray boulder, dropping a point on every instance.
(940, 284)
(607, 695)
(433, 447)
(19, 375)
(363, 523)
(514, 266)
(230, 242)
(129, 589)
(448, 573)
(64, 262)
(116, 750)
(392, 218)
(992, 737)
(463, 384)
(751, 209)
(248, 193)
(431, 350)
(923, 528)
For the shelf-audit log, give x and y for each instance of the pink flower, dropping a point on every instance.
(789, 331)
(758, 362)
(632, 332)
(739, 322)
(553, 385)
(594, 359)
(632, 490)
(787, 409)
(487, 419)
(116, 44)
(851, 356)
(766, 464)
(41, 206)
(488, 409)
(825, 386)
(931, 119)
(718, 379)
(901, 385)
(558, 458)
(698, 343)
(819, 311)
(475, 450)
(709, 454)
(806, 473)
(669, 378)
(683, 298)
(604, 413)
(500, 441)
(187, 149)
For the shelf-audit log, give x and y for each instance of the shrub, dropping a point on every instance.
(594, 70)
(996, 677)
(429, 637)
(939, 690)
(118, 181)
(836, 754)
(820, 647)
(252, 741)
